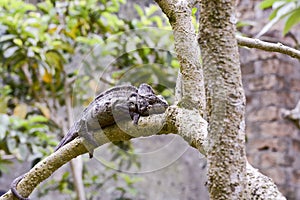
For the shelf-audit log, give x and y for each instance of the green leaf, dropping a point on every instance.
(133, 191)
(45, 6)
(274, 13)
(292, 20)
(60, 45)
(194, 10)
(266, 4)
(18, 42)
(139, 10)
(157, 20)
(89, 41)
(282, 11)
(151, 10)
(55, 59)
(37, 118)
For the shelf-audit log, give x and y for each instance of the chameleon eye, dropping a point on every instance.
(151, 99)
(131, 105)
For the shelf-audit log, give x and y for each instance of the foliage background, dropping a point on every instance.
(57, 54)
(53, 52)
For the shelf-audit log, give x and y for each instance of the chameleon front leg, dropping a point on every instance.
(124, 110)
(84, 132)
(135, 118)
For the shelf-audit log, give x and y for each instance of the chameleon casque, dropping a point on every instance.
(116, 104)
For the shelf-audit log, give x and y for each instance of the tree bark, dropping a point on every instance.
(192, 93)
(225, 101)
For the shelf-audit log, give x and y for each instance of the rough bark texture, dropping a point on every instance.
(225, 101)
(191, 88)
(261, 187)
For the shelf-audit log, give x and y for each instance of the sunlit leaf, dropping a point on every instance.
(52, 30)
(266, 4)
(47, 77)
(157, 20)
(175, 63)
(194, 10)
(292, 20)
(45, 6)
(37, 118)
(55, 59)
(89, 41)
(139, 10)
(63, 46)
(151, 10)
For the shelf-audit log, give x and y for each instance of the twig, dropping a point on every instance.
(267, 46)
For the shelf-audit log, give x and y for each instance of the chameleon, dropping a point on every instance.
(116, 104)
(109, 107)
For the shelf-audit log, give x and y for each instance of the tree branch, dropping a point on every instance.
(261, 186)
(187, 123)
(267, 46)
(188, 53)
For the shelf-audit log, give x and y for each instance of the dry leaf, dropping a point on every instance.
(21, 110)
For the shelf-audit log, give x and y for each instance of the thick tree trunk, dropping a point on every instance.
(225, 101)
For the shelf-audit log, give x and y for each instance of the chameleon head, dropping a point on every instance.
(152, 105)
(145, 102)
(158, 106)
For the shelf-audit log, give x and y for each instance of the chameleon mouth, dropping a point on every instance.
(157, 109)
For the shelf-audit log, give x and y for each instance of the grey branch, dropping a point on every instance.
(268, 46)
